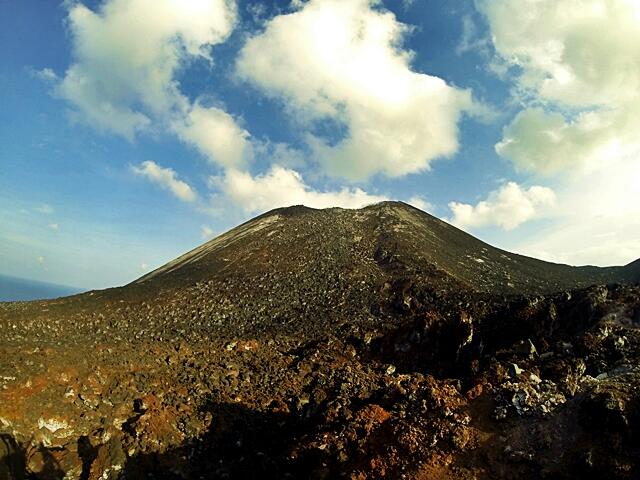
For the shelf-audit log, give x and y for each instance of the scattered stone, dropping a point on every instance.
(514, 370)
(527, 349)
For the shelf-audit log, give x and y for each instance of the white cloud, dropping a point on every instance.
(165, 178)
(206, 232)
(572, 55)
(419, 202)
(604, 241)
(216, 134)
(547, 143)
(46, 74)
(578, 75)
(576, 52)
(471, 38)
(144, 267)
(126, 57)
(281, 187)
(279, 154)
(343, 61)
(598, 219)
(507, 207)
(54, 226)
(45, 208)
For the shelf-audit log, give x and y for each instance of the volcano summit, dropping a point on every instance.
(371, 343)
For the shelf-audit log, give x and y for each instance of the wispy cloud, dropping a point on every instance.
(419, 202)
(206, 232)
(472, 39)
(45, 209)
(167, 179)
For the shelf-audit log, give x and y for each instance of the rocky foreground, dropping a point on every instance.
(379, 343)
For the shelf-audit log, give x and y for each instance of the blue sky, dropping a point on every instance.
(133, 130)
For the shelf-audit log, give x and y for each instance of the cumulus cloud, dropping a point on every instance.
(598, 219)
(343, 61)
(166, 178)
(126, 58)
(581, 59)
(216, 134)
(575, 52)
(548, 143)
(123, 80)
(127, 53)
(507, 207)
(280, 187)
(577, 72)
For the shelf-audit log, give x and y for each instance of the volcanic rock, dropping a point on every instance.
(372, 343)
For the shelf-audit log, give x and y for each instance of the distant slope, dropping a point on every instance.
(20, 289)
(631, 272)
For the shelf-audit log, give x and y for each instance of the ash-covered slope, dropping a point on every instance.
(375, 237)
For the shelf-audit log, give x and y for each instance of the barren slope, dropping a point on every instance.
(372, 343)
(303, 237)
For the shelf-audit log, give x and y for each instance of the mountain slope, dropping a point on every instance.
(631, 272)
(379, 234)
(379, 343)
(309, 270)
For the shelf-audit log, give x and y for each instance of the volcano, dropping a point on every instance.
(390, 232)
(372, 343)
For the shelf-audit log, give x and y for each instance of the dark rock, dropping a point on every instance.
(12, 465)
(514, 370)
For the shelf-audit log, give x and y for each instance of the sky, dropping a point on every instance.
(133, 130)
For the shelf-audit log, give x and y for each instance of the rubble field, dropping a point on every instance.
(321, 344)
